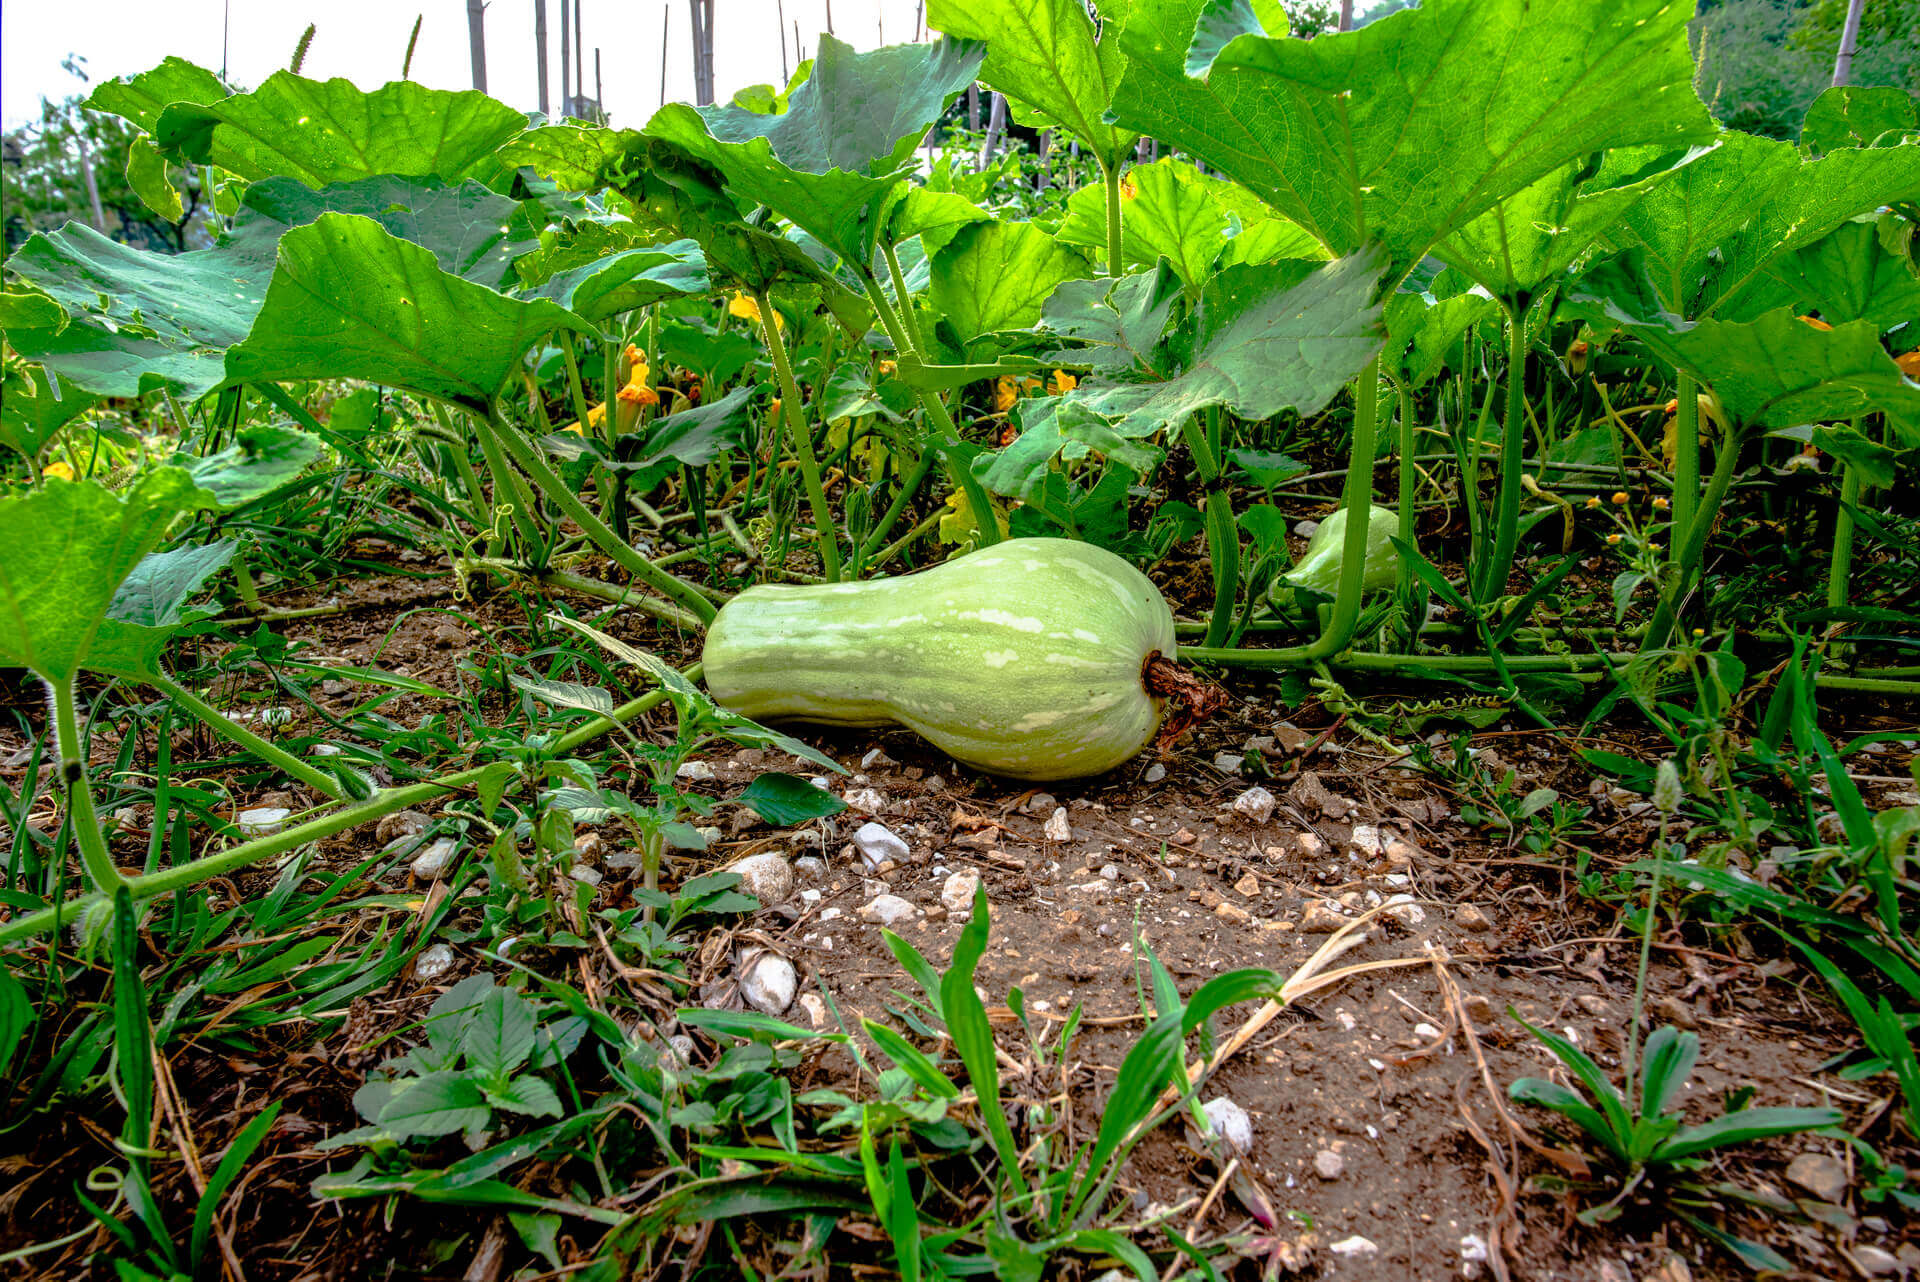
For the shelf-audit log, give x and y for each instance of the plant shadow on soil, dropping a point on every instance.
(1378, 1072)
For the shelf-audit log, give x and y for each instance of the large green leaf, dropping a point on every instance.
(1773, 371)
(1859, 116)
(149, 608)
(471, 229)
(191, 306)
(1120, 322)
(1412, 126)
(1526, 239)
(69, 546)
(1846, 275)
(829, 162)
(333, 131)
(1171, 210)
(997, 276)
(350, 300)
(692, 438)
(141, 98)
(1426, 319)
(110, 363)
(1715, 226)
(671, 190)
(1044, 53)
(1268, 338)
(623, 281)
(36, 407)
(262, 458)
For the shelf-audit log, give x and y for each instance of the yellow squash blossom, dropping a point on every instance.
(1909, 363)
(1816, 322)
(959, 522)
(1061, 383)
(888, 367)
(58, 471)
(748, 308)
(1006, 390)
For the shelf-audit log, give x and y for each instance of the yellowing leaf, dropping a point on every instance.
(958, 524)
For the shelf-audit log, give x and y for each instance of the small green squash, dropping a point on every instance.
(1319, 566)
(1024, 659)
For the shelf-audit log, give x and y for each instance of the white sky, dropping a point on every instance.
(365, 41)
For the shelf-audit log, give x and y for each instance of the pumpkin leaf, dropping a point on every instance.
(1859, 116)
(998, 276)
(1772, 371)
(350, 300)
(1713, 228)
(1844, 276)
(330, 131)
(142, 97)
(69, 547)
(623, 281)
(1340, 133)
(1044, 54)
(36, 408)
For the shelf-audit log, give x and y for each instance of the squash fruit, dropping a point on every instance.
(1026, 659)
(1319, 566)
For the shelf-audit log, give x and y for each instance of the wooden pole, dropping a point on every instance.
(666, 22)
(477, 42)
(1849, 42)
(566, 57)
(579, 54)
(599, 89)
(780, 16)
(540, 50)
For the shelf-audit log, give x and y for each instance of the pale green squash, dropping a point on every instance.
(1022, 659)
(1319, 566)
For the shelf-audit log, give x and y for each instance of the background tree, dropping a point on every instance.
(46, 169)
(1763, 62)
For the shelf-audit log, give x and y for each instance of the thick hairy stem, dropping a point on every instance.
(1840, 571)
(1110, 173)
(623, 555)
(824, 531)
(1506, 535)
(509, 488)
(1223, 535)
(94, 855)
(1686, 465)
(904, 297)
(1693, 548)
(227, 728)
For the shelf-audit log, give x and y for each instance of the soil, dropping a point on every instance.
(1378, 1104)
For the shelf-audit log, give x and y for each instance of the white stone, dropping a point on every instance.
(809, 896)
(1110, 871)
(819, 781)
(1056, 828)
(1355, 1247)
(1426, 1030)
(867, 801)
(877, 843)
(876, 757)
(810, 867)
(695, 771)
(1366, 840)
(1155, 773)
(766, 876)
(262, 821)
(432, 963)
(1230, 1122)
(816, 1009)
(1328, 1165)
(1228, 763)
(584, 875)
(957, 893)
(1403, 909)
(433, 861)
(832, 914)
(677, 1055)
(768, 982)
(1256, 803)
(935, 783)
(886, 910)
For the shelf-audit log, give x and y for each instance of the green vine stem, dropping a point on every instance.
(1693, 549)
(824, 531)
(518, 500)
(227, 728)
(958, 470)
(908, 320)
(1840, 571)
(94, 855)
(510, 572)
(1686, 464)
(1223, 535)
(195, 872)
(1110, 174)
(909, 486)
(1506, 535)
(529, 460)
(1357, 498)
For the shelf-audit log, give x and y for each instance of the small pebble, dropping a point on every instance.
(433, 861)
(886, 910)
(1155, 773)
(768, 982)
(1228, 763)
(1328, 1164)
(433, 962)
(957, 893)
(1230, 1122)
(1470, 918)
(876, 757)
(1256, 803)
(694, 771)
(766, 876)
(1354, 1247)
(584, 875)
(262, 821)
(867, 801)
(1057, 828)
(878, 844)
